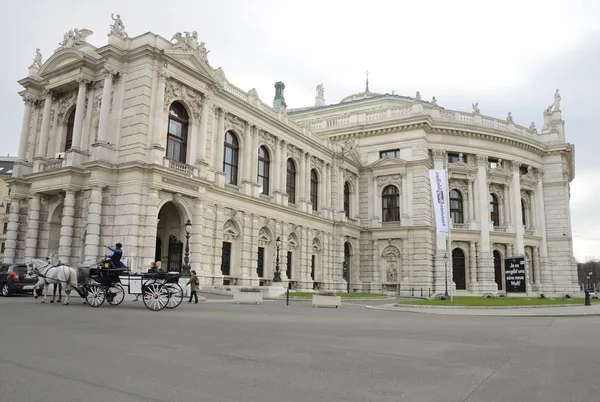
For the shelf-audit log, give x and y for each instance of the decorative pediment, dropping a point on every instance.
(60, 59)
(386, 162)
(293, 241)
(264, 236)
(395, 179)
(231, 230)
(316, 245)
(390, 252)
(195, 62)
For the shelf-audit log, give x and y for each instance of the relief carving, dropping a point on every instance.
(176, 91)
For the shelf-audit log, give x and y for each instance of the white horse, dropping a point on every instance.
(49, 274)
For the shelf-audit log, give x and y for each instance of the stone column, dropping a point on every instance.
(301, 196)
(193, 145)
(324, 191)
(472, 267)
(33, 227)
(486, 260)
(66, 227)
(254, 163)
(94, 218)
(377, 216)
(157, 136)
(471, 208)
(206, 105)
(25, 128)
(196, 251)
(220, 141)
(105, 105)
(151, 221)
(79, 112)
(45, 129)
(404, 205)
(276, 173)
(247, 173)
(341, 183)
(545, 272)
(308, 184)
(10, 250)
(356, 199)
(518, 213)
(283, 174)
(506, 218)
(536, 268)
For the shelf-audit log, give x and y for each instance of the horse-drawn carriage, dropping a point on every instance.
(102, 282)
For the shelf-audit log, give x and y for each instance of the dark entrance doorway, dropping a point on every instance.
(260, 262)
(346, 267)
(498, 270)
(175, 254)
(458, 269)
(158, 249)
(226, 259)
(312, 267)
(288, 270)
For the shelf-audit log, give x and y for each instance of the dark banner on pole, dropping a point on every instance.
(514, 275)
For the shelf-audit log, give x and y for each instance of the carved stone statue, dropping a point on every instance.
(532, 126)
(189, 42)
(118, 28)
(37, 60)
(202, 49)
(320, 90)
(476, 108)
(418, 96)
(392, 275)
(434, 101)
(556, 101)
(75, 37)
(509, 118)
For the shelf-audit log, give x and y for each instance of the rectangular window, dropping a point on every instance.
(493, 163)
(226, 259)
(392, 153)
(2, 248)
(260, 262)
(5, 228)
(453, 158)
(8, 207)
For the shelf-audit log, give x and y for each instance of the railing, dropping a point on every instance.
(183, 168)
(499, 228)
(530, 231)
(52, 165)
(460, 225)
(391, 224)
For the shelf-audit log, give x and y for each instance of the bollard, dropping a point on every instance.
(429, 291)
(421, 292)
(412, 291)
(587, 298)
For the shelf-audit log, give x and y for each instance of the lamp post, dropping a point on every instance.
(186, 259)
(446, 272)
(590, 274)
(346, 275)
(277, 274)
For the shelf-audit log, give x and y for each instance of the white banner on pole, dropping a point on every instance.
(439, 195)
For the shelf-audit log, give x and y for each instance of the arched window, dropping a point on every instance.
(177, 135)
(494, 210)
(459, 269)
(70, 125)
(347, 199)
(390, 200)
(524, 212)
(290, 182)
(264, 163)
(314, 189)
(456, 207)
(230, 159)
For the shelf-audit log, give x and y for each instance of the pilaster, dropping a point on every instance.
(10, 249)
(33, 227)
(66, 227)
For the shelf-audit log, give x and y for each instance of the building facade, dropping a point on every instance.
(127, 142)
(6, 170)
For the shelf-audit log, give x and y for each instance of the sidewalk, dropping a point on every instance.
(545, 311)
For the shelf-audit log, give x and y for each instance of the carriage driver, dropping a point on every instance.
(116, 257)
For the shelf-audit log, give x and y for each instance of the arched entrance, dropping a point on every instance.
(498, 270)
(170, 226)
(458, 269)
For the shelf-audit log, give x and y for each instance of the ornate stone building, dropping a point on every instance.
(127, 142)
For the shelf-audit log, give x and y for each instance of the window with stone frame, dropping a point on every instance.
(8, 207)
(456, 207)
(2, 248)
(5, 229)
(453, 158)
(290, 181)
(314, 189)
(177, 136)
(494, 210)
(494, 163)
(264, 166)
(392, 153)
(70, 127)
(390, 200)
(347, 199)
(230, 158)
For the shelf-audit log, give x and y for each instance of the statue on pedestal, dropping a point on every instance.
(476, 108)
(118, 28)
(556, 101)
(37, 60)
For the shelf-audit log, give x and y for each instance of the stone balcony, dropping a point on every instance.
(181, 168)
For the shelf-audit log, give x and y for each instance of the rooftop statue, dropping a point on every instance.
(476, 108)
(509, 118)
(118, 28)
(75, 37)
(320, 90)
(190, 42)
(434, 101)
(556, 101)
(37, 60)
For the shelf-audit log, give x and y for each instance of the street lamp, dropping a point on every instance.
(186, 259)
(277, 274)
(590, 274)
(446, 272)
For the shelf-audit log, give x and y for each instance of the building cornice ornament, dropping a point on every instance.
(482, 160)
(177, 91)
(74, 38)
(395, 179)
(439, 155)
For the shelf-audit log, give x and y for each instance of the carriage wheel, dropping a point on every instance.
(156, 296)
(95, 296)
(175, 295)
(115, 294)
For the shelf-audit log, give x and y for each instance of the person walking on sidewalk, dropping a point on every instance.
(194, 283)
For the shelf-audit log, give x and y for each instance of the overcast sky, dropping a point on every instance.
(508, 56)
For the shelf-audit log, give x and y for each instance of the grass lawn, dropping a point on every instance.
(496, 301)
(344, 295)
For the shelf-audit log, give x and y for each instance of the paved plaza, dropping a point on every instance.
(219, 351)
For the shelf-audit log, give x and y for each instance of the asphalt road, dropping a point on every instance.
(218, 351)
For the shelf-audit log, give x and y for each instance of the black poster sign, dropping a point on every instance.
(514, 275)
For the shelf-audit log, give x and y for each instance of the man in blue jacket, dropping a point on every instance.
(116, 257)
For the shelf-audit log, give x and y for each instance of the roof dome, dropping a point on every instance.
(359, 96)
